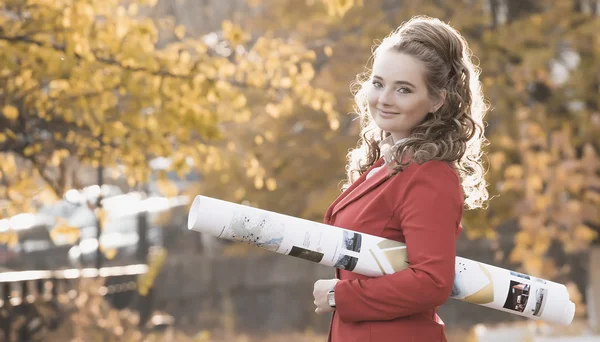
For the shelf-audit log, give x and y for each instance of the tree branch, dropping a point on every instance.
(108, 61)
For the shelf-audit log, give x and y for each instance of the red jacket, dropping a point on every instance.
(421, 206)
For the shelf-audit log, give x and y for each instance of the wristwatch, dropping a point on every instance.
(331, 297)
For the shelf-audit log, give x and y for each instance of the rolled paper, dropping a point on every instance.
(373, 256)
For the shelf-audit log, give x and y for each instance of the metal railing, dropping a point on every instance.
(21, 291)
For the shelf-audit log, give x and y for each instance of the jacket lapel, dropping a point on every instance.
(343, 195)
(361, 187)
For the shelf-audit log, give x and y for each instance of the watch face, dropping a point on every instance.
(331, 299)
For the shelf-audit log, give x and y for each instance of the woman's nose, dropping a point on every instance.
(385, 98)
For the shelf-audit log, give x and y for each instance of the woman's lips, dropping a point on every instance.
(388, 114)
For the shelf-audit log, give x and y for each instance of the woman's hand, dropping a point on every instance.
(320, 291)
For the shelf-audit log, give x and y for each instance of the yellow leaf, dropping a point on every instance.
(28, 151)
(271, 184)
(541, 245)
(315, 104)
(334, 124)
(536, 19)
(47, 196)
(491, 234)
(575, 182)
(258, 140)
(574, 207)
(522, 238)
(11, 134)
(272, 110)
(505, 142)
(109, 253)
(204, 335)
(100, 216)
(133, 9)
(233, 33)
(269, 136)
(328, 51)
(518, 254)
(258, 182)
(62, 231)
(307, 71)
(9, 238)
(179, 31)
(497, 159)
(584, 233)
(535, 183)
(514, 171)
(152, 123)
(165, 186)
(239, 194)
(2, 137)
(10, 112)
(285, 82)
(56, 158)
(155, 264)
(239, 101)
(13, 240)
(542, 202)
(533, 264)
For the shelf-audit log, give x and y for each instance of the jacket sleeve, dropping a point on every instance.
(429, 214)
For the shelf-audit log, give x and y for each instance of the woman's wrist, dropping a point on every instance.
(331, 296)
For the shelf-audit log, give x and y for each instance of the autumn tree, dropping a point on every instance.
(85, 80)
(247, 104)
(540, 72)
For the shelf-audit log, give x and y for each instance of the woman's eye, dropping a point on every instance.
(404, 90)
(377, 84)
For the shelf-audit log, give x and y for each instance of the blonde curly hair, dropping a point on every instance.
(454, 133)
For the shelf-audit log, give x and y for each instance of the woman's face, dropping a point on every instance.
(397, 93)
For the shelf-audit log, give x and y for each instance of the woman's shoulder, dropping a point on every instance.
(442, 170)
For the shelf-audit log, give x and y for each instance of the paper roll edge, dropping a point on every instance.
(569, 313)
(193, 213)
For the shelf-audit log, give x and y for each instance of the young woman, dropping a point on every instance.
(417, 165)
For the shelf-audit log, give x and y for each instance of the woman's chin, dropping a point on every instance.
(383, 124)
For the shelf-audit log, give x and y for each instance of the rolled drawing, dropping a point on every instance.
(369, 255)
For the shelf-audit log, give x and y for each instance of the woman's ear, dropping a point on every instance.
(441, 98)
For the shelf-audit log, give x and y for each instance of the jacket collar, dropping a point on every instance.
(362, 186)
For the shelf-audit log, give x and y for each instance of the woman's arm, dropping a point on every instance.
(429, 214)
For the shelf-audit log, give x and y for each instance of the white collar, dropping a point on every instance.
(385, 146)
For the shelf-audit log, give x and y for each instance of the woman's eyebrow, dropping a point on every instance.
(400, 82)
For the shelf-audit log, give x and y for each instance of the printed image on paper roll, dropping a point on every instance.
(518, 295)
(346, 262)
(540, 301)
(352, 241)
(306, 254)
(520, 275)
(472, 282)
(390, 256)
(255, 230)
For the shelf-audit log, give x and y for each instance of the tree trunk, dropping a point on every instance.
(521, 8)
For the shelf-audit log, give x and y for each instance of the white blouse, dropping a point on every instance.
(385, 146)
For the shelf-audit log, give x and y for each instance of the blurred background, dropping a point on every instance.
(115, 113)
